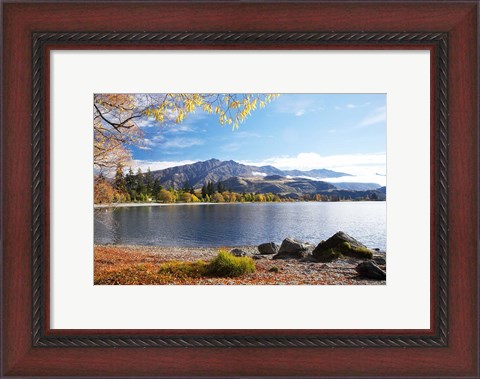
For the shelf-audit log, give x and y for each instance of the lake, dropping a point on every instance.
(240, 224)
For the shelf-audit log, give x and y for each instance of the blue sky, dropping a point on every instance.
(341, 132)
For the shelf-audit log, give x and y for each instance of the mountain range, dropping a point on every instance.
(262, 179)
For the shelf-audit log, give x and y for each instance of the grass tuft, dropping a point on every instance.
(228, 265)
(223, 265)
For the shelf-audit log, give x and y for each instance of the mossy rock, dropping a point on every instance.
(341, 244)
(328, 255)
(355, 251)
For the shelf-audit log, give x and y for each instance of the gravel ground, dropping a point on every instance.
(268, 271)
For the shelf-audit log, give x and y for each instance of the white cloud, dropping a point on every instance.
(362, 166)
(181, 143)
(146, 122)
(169, 118)
(256, 173)
(161, 142)
(148, 144)
(309, 161)
(378, 115)
(297, 107)
(233, 146)
(179, 128)
(158, 138)
(243, 134)
(351, 106)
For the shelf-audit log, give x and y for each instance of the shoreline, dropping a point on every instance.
(128, 205)
(252, 249)
(123, 262)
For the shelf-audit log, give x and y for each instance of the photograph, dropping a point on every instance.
(239, 188)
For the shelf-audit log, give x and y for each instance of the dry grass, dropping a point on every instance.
(173, 266)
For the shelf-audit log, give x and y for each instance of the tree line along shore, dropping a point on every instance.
(142, 187)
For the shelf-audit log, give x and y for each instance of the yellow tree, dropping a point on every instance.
(115, 127)
(117, 117)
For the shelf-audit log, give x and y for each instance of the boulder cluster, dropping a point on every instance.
(339, 246)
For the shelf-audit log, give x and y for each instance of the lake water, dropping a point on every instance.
(240, 224)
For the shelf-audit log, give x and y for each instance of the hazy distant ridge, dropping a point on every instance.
(263, 179)
(197, 174)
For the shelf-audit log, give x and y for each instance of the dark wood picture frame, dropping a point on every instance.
(447, 29)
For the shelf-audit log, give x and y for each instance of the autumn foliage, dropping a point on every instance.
(117, 117)
(224, 265)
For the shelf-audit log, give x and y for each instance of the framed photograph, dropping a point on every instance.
(240, 189)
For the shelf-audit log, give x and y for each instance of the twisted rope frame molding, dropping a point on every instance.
(40, 39)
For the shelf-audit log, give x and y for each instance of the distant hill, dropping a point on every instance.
(197, 174)
(214, 170)
(357, 186)
(294, 187)
(263, 179)
(276, 184)
(355, 194)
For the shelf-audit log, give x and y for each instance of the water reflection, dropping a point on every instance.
(240, 224)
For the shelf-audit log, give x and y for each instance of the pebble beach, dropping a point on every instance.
(147, 259)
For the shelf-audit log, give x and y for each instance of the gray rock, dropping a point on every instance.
(379, 260)
(257, 257)
(341, 244)
(238, 252)
(370, 270)
(268, 248)
(291, 249)
(308, 258)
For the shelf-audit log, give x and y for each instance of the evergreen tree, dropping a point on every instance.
(149, 183)
(220, 187)
(131, 184)
(133, 195)
(156, 187)
(186, 186)
(119, 182)
(141, 188)
(210, 189)
(204, 191)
